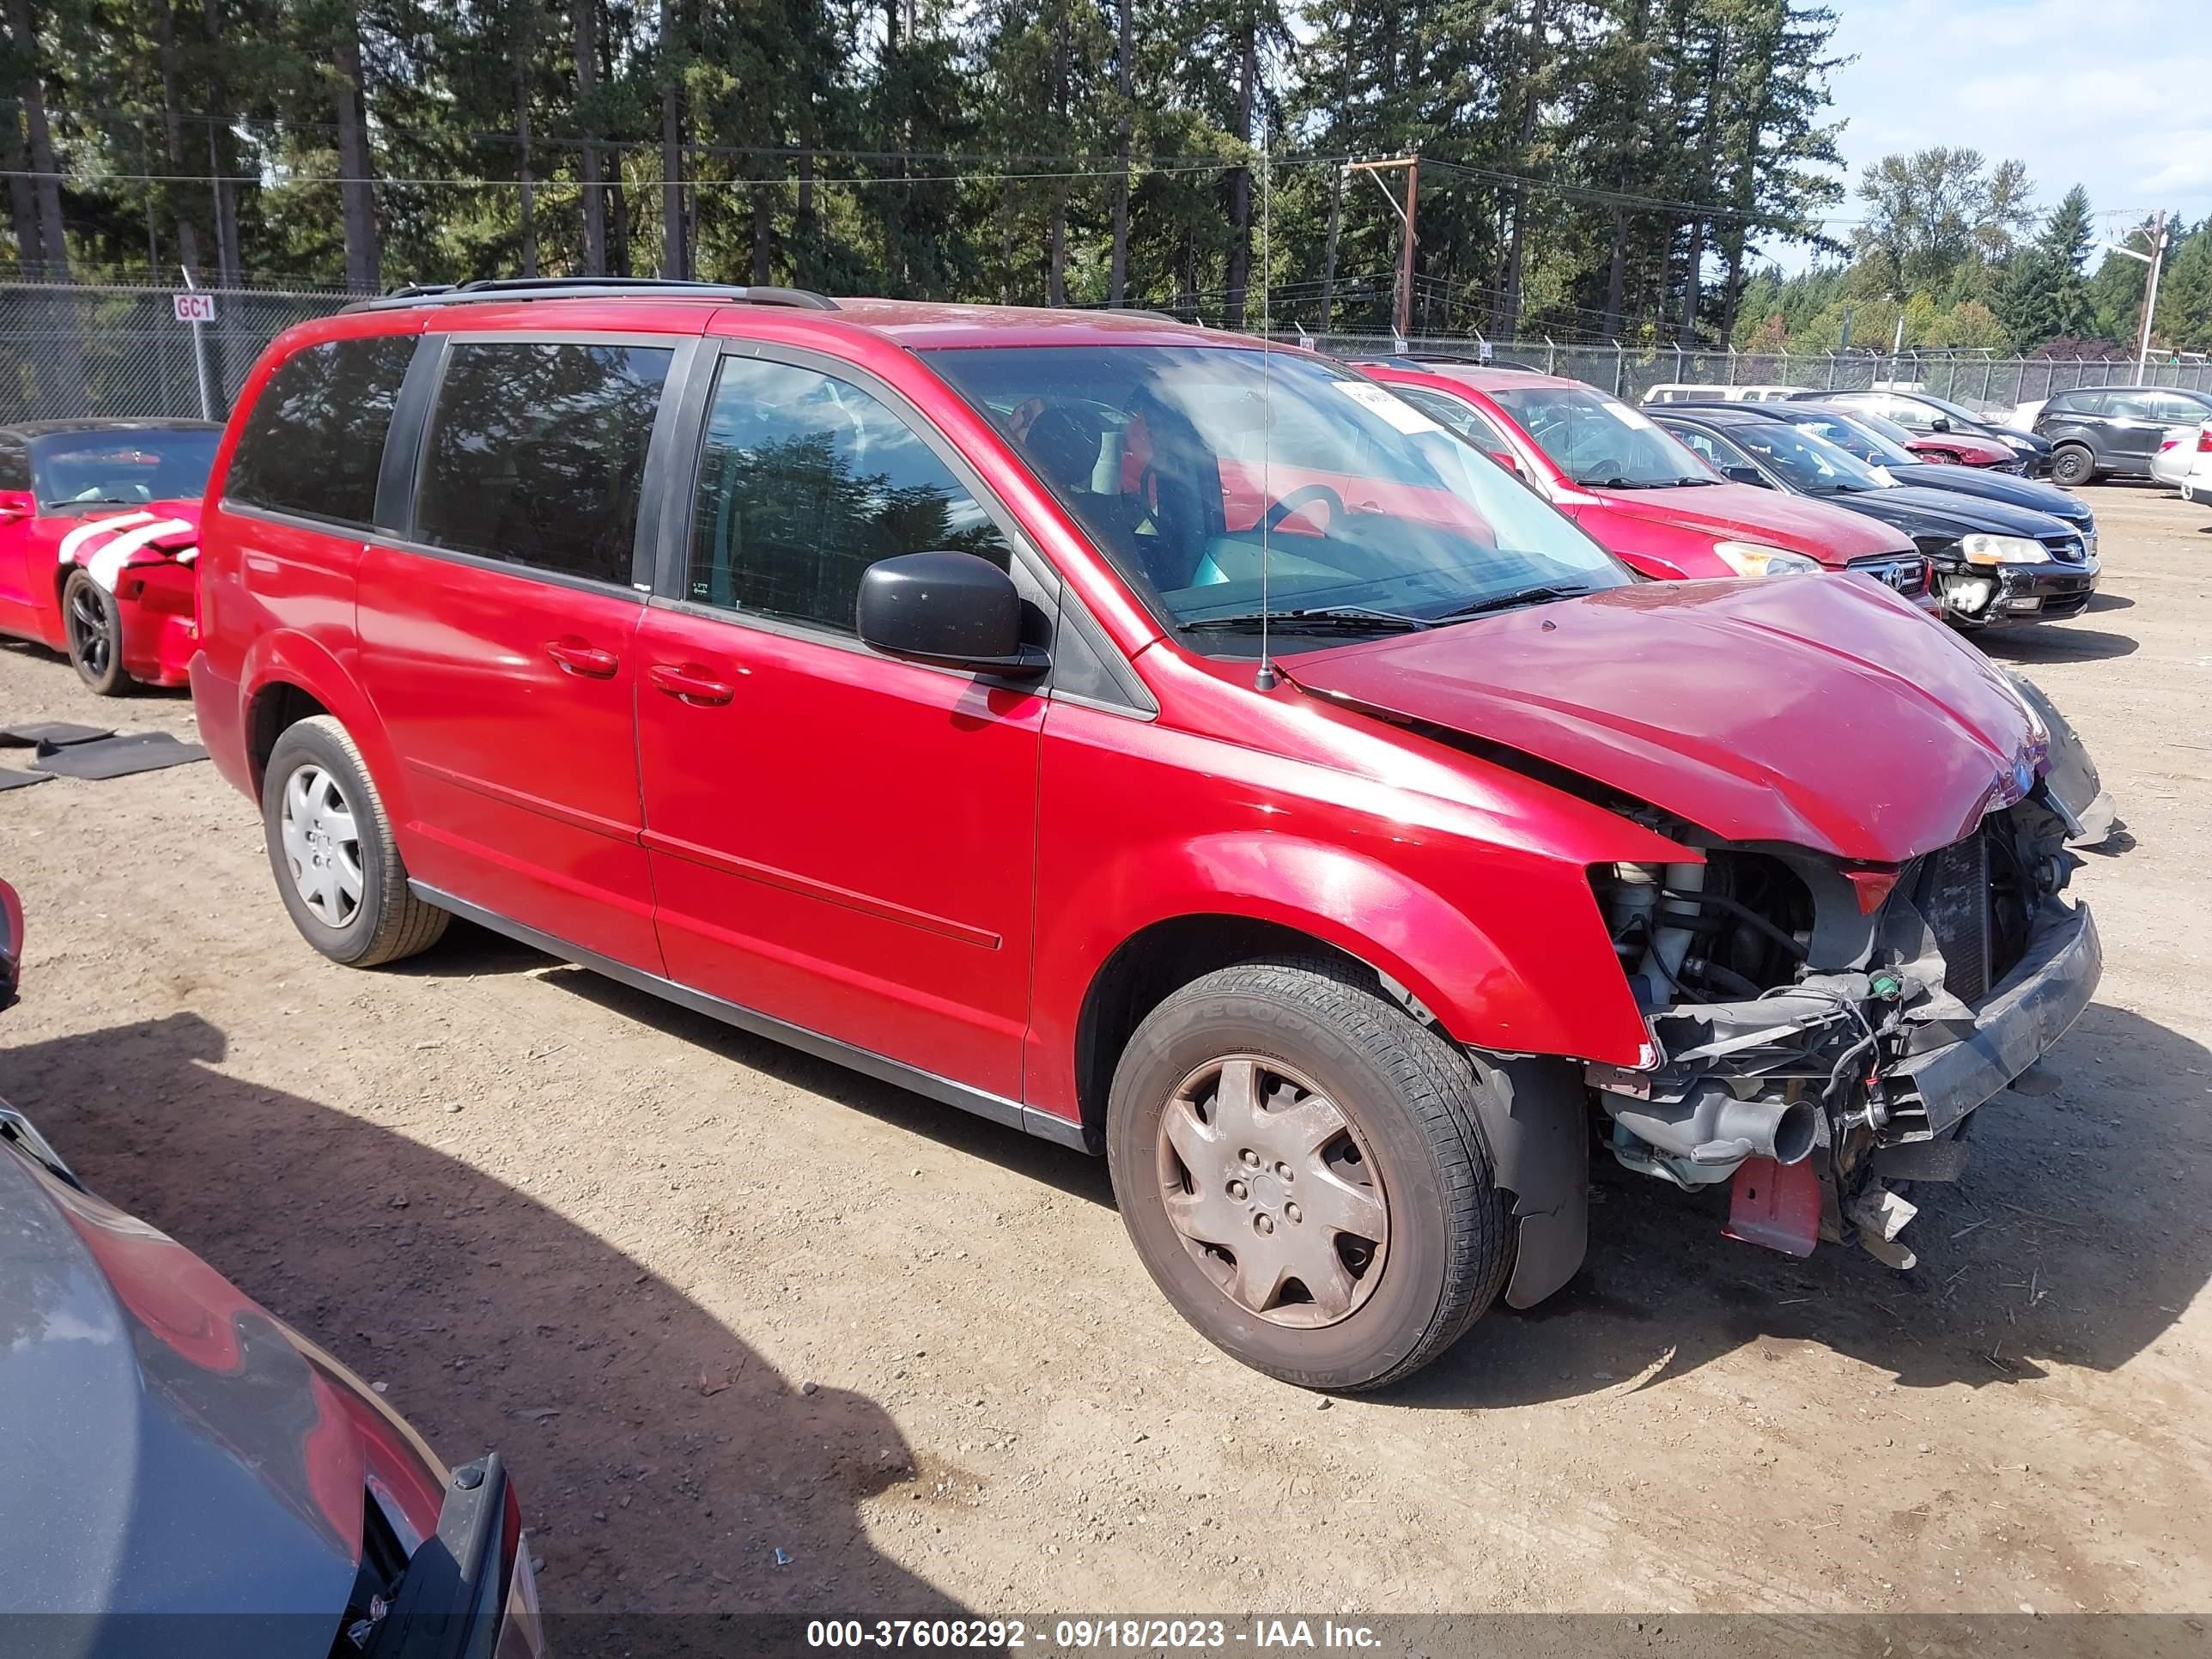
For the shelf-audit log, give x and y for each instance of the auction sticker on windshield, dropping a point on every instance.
(1375, 401)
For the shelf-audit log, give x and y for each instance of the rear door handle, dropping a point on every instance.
(691, 683)
(578, 658)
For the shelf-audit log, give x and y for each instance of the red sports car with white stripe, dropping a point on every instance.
(99, 528)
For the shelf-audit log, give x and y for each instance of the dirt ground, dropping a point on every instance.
(756, 1332)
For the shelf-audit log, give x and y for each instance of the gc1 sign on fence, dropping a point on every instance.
(193, 306)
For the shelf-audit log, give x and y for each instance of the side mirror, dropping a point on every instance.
(1745, 475)
(1941, 424)
(1506, 459)
(952, 608)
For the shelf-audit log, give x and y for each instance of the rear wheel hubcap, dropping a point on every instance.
(1273, 1191)
(322, 846)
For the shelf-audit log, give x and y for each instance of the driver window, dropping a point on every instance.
(806, 480)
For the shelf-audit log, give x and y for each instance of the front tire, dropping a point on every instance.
(1299, 1165)
(2073, 465)
(330, 846)
(92, 622)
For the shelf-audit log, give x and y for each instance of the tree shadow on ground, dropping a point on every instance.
(498, 1323)
(2072, 1238)
(2065, 1241)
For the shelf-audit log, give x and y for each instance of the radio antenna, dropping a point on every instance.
(1267, 679)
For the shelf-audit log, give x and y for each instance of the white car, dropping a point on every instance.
(2183, 461)
(1712, 392)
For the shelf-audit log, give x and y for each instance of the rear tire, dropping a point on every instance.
(92, 621)
(329, 843)
(2073, 465)
(1305, 1063)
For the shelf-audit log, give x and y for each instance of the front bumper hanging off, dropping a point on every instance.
(2019, 1022)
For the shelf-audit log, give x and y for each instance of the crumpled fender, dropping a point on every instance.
(1529, 986)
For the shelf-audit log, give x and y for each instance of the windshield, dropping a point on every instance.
(1806, 461)
(1183, 463)
(137, 464)
(1859, 435)
(1599, 441)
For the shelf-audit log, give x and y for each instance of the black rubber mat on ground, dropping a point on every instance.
(47, 735)
(119, 757)
(18, 779)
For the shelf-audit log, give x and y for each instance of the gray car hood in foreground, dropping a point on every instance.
(164, 1448)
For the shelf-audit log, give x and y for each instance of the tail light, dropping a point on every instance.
(2204, 439)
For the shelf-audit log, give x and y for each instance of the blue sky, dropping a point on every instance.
(2113, 94)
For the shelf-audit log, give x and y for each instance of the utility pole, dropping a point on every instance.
(1411, 166)
(2155, 260)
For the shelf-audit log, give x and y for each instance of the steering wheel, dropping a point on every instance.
(1608, 468)
(1297, 500)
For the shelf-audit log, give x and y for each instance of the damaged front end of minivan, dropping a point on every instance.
(1822, 1031)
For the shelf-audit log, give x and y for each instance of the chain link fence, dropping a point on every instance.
(79, 349)
(1989, 383)
(83, 349)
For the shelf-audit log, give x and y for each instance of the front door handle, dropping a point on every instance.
(577, 657)
(691, 683)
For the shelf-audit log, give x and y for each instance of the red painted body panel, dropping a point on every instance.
(1665, 533)
(152, 580)
(937, 870)
(521, 773)
(1958, 449)
(879, 891)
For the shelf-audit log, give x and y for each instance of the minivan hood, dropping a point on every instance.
(166, 1450)
(1747, 513)
(1922, 512)
(1824, 713)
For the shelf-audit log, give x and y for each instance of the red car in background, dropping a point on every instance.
(99, 530)
(1642, 496)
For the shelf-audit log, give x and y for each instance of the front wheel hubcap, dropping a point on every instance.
(1273, 1191)
(322, 846)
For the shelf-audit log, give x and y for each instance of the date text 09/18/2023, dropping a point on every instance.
(1087, 1635)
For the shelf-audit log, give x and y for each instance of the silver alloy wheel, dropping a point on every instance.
(322, 845)
(1273, 1191)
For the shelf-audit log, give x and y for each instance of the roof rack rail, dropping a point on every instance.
(588, 288)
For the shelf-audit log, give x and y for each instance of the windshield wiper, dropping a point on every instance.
(1536, 595)
(1321, 619)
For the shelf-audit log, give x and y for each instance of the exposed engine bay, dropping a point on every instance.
(1820, 1031)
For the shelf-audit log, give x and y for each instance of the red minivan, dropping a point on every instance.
(1650, 499)
(1157, 741)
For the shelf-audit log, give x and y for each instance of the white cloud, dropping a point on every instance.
(2113, 97)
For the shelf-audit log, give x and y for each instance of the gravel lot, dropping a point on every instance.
(759, 1333)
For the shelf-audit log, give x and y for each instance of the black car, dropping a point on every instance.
(2112, 431)
(183, 1474)
(1879, 443)
(1923, 412)
(1993, 563)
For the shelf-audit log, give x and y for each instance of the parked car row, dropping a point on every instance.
(1995, 561)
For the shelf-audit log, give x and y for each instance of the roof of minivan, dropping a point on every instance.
(915, 324)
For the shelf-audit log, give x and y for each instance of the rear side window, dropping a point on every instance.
(15, 465)
(804, 482)
(313, 440)
(535, 453)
